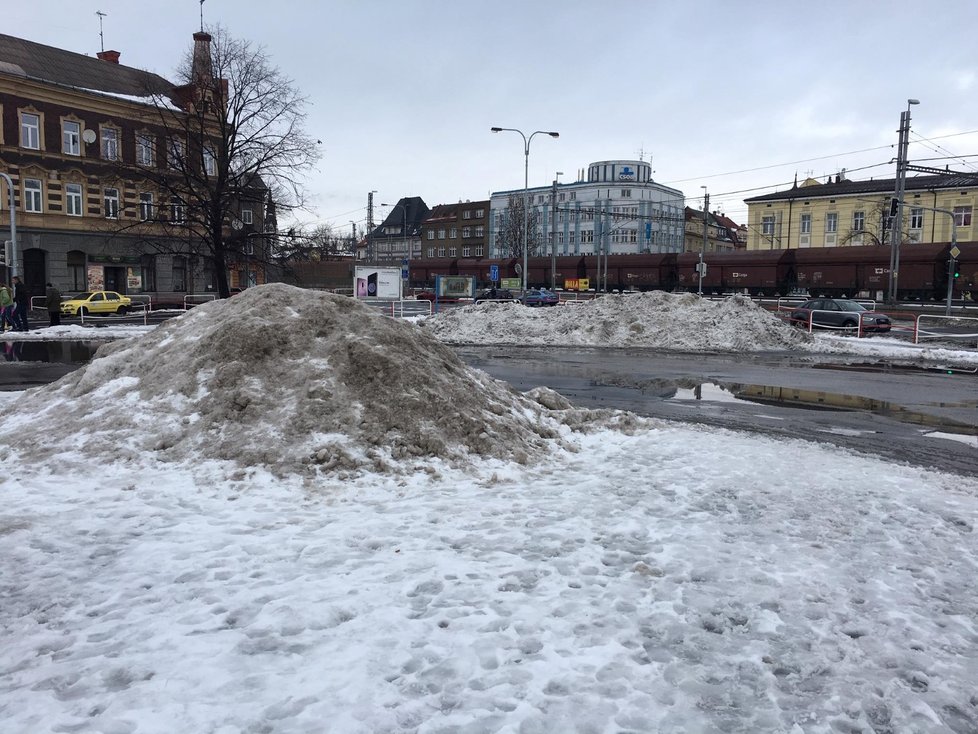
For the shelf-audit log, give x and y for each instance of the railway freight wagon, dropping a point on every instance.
(540, 271)
(851, 271)
(421, 273)
(759, 273)
(649, 272)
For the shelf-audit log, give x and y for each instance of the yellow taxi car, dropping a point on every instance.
(96, 302)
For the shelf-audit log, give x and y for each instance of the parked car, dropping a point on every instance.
(96, 302)
(540, 297)
(496, 294)
(430, 296)
(840, 313)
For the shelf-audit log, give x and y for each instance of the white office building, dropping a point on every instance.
(617, 208)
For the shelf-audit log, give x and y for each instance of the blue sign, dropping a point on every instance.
(494, 273)
(648, 231)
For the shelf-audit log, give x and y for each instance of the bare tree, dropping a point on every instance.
(322, 243)
(232, 144)
(510, 241)
(875, 227)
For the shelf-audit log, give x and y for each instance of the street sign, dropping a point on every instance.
(955, 251)
(494, 273)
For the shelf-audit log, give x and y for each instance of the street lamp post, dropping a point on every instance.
(12, 265)
(526, 185)
(896, 226)
(553, 233)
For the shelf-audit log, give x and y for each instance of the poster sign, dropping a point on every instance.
(455, 286)
(511, 283)
(371, 282)
(577, 284)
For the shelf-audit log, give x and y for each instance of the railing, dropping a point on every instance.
(399, 309)
(194, 299)
(919, 334)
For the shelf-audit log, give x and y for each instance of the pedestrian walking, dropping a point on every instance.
(6, 307)
(52, 299)
(22, 304)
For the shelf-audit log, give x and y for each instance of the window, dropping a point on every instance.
(467, 214)
(175, 153)
(480, 213)
(831, 222)
(962, 216)
(466, 251)
(858, 221)
(32, 195)
(478, 251)
(466, 232)
(453, 252)
(246, 217)
(806, 223)
(626, 193)
(146, 207)
(767, 224)
(73, 200)
(144, 150)
(916, 218)
(561, 196)
(560, 238)
(70, 137)
(111, 198)
(431, 251)
(452, 233)
(480, 231)
(632, 236)
(178, 210)
(587, 236)
(441, 252)
(441, 234)
(431, 236)
(573, 195)
(30, 131)
(210, 162)
(110, 143)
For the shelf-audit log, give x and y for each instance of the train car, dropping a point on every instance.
(473, 268)
(421, 273)
(756, 272)
(845, 272)
(648, 272)
(540, 271)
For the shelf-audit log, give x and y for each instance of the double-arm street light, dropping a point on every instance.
(526, 185)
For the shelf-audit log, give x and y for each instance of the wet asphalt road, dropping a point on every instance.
(880, 409)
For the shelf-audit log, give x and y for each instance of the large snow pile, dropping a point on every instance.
(663, 320)
(287, 379)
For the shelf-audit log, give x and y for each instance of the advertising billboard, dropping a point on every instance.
(454, 286)
(373, 282)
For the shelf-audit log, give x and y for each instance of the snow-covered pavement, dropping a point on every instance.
(206, 567)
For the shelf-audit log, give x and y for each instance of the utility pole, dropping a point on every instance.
(370, 226)
(896, 225)
(706, 233)
(553, 233)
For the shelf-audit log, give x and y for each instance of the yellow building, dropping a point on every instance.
(842, 213)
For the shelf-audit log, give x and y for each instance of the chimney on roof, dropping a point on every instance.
(111, 56)
(202, 70)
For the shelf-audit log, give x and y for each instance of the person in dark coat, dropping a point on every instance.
(52, 299)
(22, 304)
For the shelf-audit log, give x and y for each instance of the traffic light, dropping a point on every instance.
(5, 254)
(956, 269)
(894, 205)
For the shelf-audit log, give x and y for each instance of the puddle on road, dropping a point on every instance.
(790, 397)
(62, 352)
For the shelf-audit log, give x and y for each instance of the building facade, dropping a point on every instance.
(75, 131)
(615, 208)
(456, 230)
(398, 237)
(842, 213)
(722, 233)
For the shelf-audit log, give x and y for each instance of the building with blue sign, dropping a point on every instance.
(615, 207)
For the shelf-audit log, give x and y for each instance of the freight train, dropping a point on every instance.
(827, 271)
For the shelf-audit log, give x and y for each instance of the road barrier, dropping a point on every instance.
(919, 334)
(195, 299)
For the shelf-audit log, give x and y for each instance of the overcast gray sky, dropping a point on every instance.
(730, 94)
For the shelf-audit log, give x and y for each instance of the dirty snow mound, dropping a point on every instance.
(285, 378)
(683, 322)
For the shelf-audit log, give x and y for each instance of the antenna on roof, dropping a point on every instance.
(101, 38)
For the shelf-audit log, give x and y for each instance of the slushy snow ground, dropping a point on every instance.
(278, 513)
